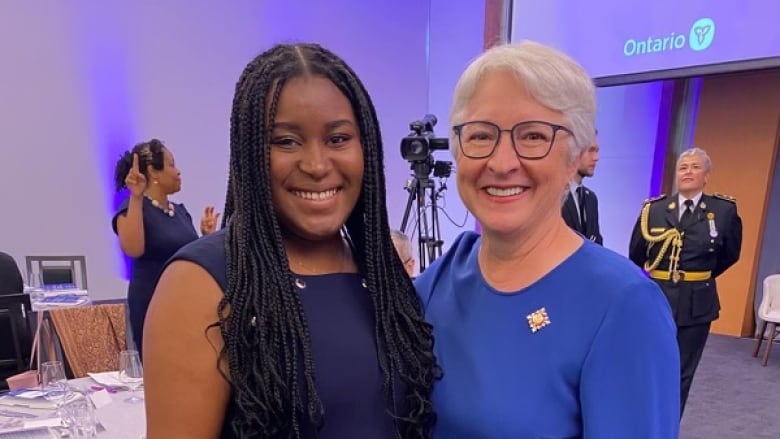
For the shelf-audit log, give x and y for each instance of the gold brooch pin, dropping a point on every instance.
(538, 319)
(671, 205)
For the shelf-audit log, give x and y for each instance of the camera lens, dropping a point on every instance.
(416, 148)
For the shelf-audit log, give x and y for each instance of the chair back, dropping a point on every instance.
(14, 309)
(59, 269)
(91, 336)
(11, 281)
(771, 301)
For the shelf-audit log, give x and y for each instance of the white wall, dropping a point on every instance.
(628, 120)
(84, 80)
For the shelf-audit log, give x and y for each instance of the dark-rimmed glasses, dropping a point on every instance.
(532, 140)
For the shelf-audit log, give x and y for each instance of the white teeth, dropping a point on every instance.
(504, 192)
(316, 196)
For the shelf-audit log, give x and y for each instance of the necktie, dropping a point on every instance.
(687, 213)
(581, 204)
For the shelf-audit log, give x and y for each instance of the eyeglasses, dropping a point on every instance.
(532, 140)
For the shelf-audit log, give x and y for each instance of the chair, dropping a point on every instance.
(16, 307)
(15, 338)
(59, 269)
(91, 336)
(769, 313)
(11, 281)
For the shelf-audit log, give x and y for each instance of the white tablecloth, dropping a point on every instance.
(121, 420)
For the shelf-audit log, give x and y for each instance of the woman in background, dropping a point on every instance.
(151, 228)
(540, 333)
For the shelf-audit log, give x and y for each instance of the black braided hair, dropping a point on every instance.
(149, 153)
(267, 345)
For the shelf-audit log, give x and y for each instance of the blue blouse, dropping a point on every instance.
(588, 351)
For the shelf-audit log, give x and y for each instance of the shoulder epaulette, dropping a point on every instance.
(728, 198)
(654, 199)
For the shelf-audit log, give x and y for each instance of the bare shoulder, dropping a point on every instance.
(186, 392)
(189, 290)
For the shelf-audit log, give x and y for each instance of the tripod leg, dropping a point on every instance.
(412, 194)
(436, 245)
(422, 226)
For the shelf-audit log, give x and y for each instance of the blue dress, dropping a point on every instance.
(606, 366)
(340, 315)
(163, 236)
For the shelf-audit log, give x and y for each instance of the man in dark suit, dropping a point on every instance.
(684, 241)
(581, 207)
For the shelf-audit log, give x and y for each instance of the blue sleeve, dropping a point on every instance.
(121, 210)
(630, 383)
(423, 284)
(427, 280)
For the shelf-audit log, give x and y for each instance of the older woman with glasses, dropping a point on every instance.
(539, 332)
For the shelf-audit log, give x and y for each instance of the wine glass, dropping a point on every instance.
(54, 385)
(131, 373)
(35, 286)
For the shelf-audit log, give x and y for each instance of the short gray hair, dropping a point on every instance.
(403, 244)
(694, 151)
(552, 78)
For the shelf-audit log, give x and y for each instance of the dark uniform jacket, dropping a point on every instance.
(572, 218)
(686, 258)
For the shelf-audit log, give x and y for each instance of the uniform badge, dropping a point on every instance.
(538, 319)
(703, 205)
(671, 205)
(713, 229)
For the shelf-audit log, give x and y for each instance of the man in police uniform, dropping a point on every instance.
(684, 241)
(580, 209)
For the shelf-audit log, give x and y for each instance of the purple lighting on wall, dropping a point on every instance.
(662, 138)
(104, 60)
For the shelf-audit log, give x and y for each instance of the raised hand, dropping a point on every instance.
(208, 224)
(135, 180)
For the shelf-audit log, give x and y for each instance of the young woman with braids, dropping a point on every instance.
(297, 320)
(150, 227)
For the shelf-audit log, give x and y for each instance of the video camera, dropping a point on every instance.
(417, 148)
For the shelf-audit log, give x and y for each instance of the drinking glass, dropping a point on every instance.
(54, 385)
(35, 286)
(131, 373)
(78, 415)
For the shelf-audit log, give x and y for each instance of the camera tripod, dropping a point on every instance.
(428, 234)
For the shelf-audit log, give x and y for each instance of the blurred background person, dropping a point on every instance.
(297, 319)
(151, 227)
(581, 206)
(403, 245)
(535, 327)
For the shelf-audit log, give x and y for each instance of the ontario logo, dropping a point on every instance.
(701, 34)
(698, 38)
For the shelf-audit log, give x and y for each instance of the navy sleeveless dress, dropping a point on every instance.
(340, 316)
(164, 235)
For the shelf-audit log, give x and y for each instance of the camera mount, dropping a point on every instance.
(417, 148)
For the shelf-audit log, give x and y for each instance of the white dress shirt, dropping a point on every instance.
(681, 204)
